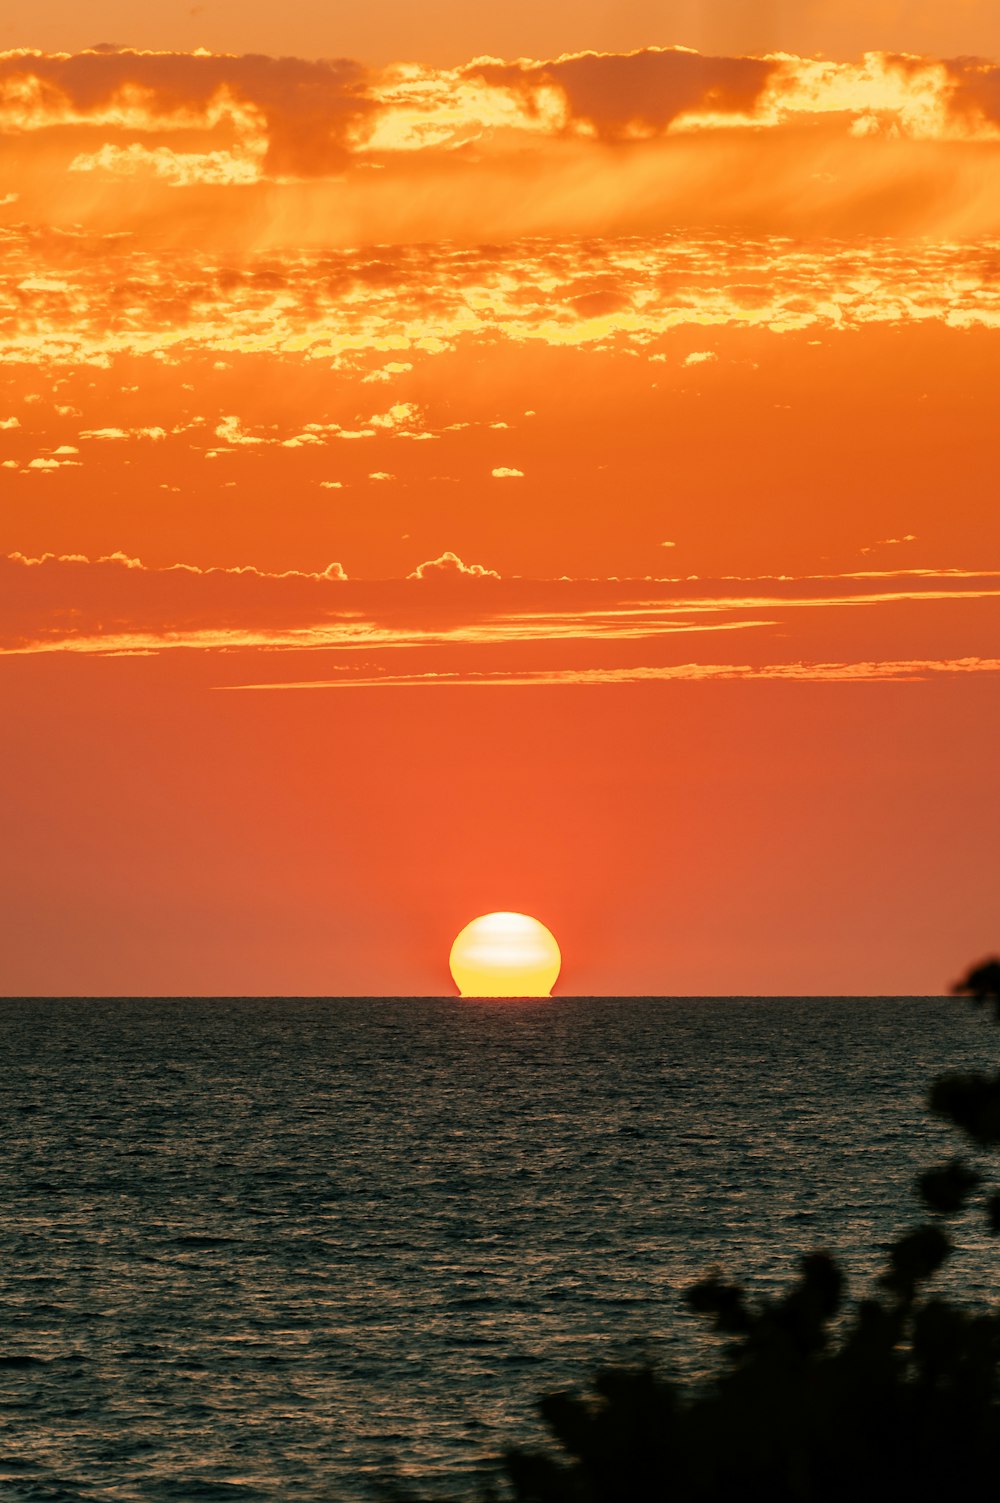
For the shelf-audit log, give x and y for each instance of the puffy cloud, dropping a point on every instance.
(503, 473)
(297, 116)
(11, 422)
(627, 96)
(388, 371)
(400, 415)
(699, 357)
(974, 94)
(450, 566)
(231, 431)
(181, 169)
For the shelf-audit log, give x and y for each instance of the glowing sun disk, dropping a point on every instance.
(505, 955)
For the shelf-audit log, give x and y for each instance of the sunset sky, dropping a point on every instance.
(540, 460)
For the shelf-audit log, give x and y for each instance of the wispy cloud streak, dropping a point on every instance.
(115, 603)
(908, 670)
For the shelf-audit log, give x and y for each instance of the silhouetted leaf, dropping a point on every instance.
(724, 1302)
(914, 1258)
(948, 1187)
(971, 1102)
(982, 984)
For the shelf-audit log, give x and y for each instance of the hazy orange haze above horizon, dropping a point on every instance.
(539, 461)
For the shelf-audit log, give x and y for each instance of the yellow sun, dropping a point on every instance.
(505, 955)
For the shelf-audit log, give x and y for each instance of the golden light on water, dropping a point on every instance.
(505, 955)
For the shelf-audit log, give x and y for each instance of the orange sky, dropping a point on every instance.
(448, 32)
(432, 482)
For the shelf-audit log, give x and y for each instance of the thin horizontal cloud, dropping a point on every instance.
(71, 603)
(116, 603)
(123, 560)
(119, 435)
(907, 670)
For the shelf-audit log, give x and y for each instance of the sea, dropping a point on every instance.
(300, 1249)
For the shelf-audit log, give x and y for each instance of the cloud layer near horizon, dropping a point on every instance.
(305, 118)
(252, 150)
(457, 623)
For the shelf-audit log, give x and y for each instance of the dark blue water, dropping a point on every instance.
(276, 1249)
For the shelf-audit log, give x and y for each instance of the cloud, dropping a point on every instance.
(181, 169)
(127, 561)
(503, 473)
(117, 603)
(388, 371)
(11, 422)
(119, 435)
(162, 121)
(400, 415)
(450, 566)
(975, 92)
(397, 421)
(897, 671)
(297, 117)
(889, 543)
(432, 299)
(231, 431)
(622, 97)
(699, 357)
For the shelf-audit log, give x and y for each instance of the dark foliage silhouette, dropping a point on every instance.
(895, 1398)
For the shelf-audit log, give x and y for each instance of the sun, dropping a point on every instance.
(505, 955)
